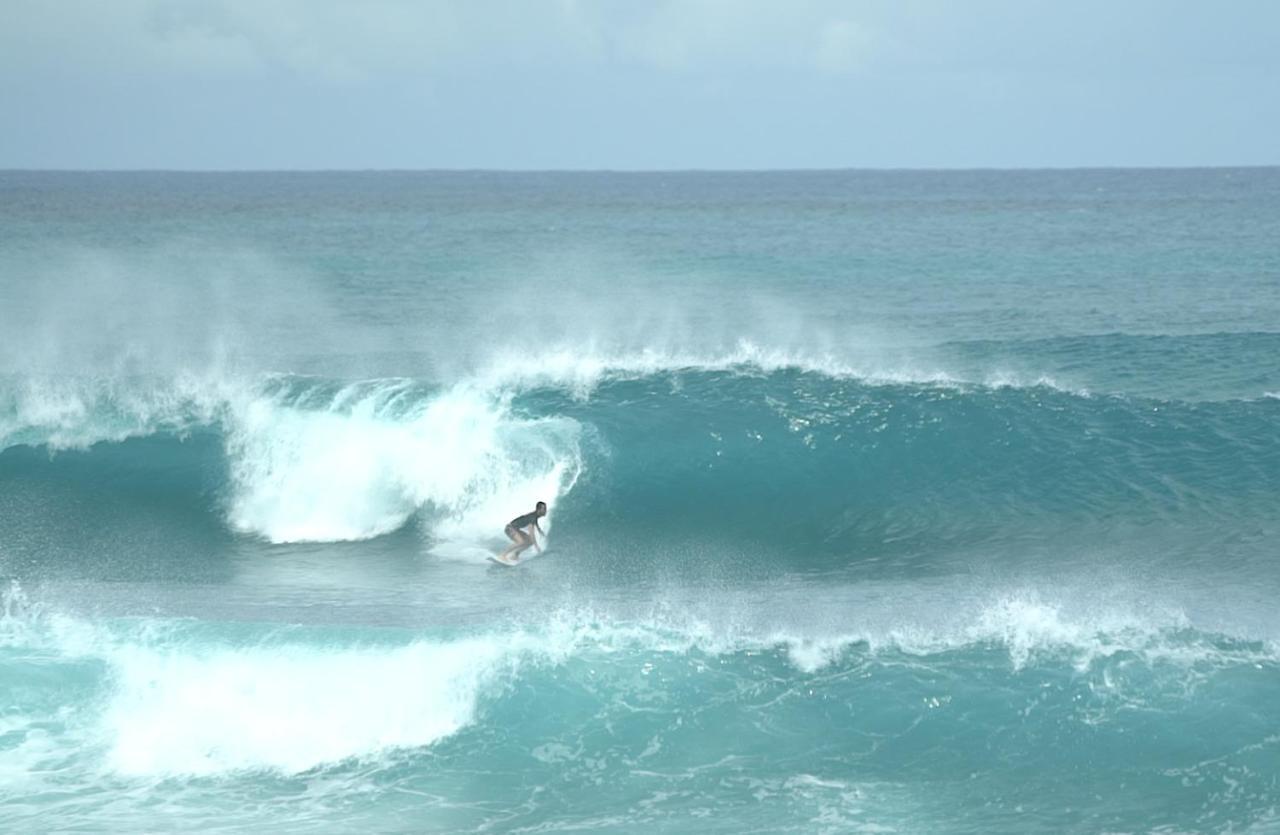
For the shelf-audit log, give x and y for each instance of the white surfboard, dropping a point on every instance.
(521, 561)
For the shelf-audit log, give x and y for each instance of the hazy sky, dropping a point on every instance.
(637, 84)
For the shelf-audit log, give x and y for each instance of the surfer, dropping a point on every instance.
(522, 538)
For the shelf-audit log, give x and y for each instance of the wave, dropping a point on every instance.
(309, 459)
(72, 412)
(1187, 367)
(583, 370)
(189, 698)
(314, 460)
(803, 463)
(69, 412)
(1190, 367)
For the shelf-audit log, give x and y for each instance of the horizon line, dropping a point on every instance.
(798, 170)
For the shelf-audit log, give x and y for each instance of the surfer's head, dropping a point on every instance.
(541, 508)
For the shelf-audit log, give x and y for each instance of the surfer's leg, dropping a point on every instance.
(519, 541)
(514, 536)
(520, 547)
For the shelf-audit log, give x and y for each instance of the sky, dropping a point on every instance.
(637, 84)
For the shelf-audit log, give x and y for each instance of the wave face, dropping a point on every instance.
(797, 458)
(895, 502)
(802, 464)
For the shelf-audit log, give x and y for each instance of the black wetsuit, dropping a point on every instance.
(522, 522)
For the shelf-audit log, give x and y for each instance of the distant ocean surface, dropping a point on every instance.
(880, 501)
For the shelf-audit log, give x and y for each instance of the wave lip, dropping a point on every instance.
(1029, 631)
(73, 413)
(581, 371)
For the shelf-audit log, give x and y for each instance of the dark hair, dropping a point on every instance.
(540, 505)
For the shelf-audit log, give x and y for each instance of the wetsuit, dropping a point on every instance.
(522, 522)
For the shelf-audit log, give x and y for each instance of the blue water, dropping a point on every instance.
(896, 502)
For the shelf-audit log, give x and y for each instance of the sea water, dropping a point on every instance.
(879, 501)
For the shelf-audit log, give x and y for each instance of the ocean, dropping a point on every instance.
(900, 501)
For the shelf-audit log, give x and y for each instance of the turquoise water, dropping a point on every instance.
(900, 501)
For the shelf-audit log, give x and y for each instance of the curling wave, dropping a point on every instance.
(309, 459)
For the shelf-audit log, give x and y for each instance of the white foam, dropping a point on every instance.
(810, 655)
(365, 464)
(1027, 628)
(289, 708)
(176, 705)
(181, 708)
(1024, 624)
(582, 368)
(75, 412)
(38, 752)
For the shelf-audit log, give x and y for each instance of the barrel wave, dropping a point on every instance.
(798, 463)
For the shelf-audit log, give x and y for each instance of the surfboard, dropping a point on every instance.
(521, 561)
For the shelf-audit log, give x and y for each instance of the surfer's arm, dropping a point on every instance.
(535, 536)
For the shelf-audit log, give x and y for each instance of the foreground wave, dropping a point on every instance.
(668, 718)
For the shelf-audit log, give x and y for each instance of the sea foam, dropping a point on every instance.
(362, 464)
(288, 708)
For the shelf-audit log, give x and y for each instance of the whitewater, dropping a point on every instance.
(879, 501)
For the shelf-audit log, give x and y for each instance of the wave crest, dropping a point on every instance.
(362, 463)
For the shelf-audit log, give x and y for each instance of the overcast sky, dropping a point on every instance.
(637, 84)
